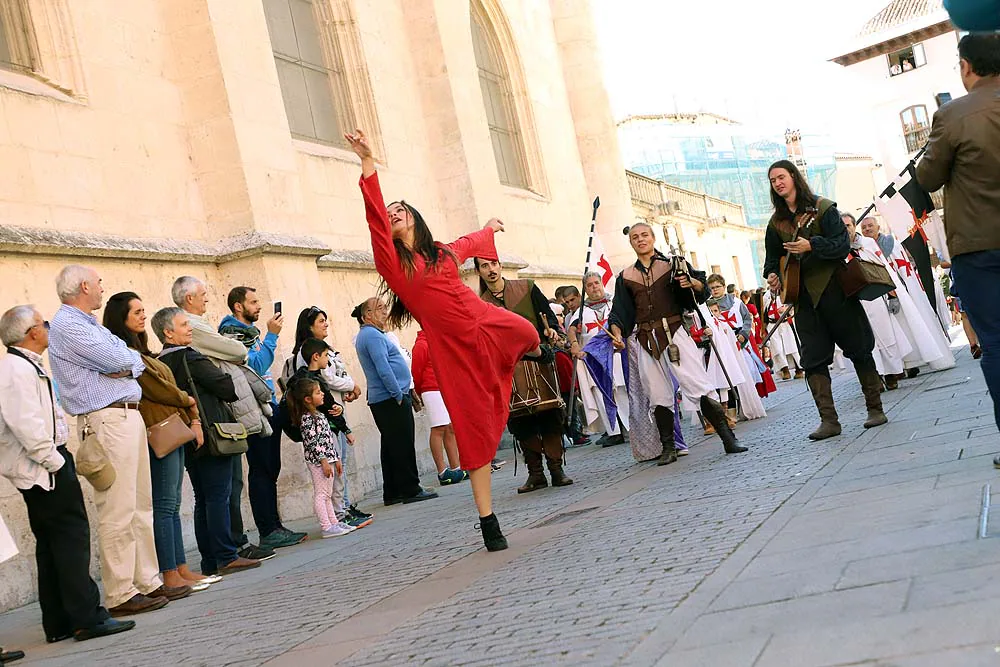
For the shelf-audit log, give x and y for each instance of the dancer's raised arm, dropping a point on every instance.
(383, 250)
(359, 144)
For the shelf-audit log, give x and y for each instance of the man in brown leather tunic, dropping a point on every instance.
(652, 297)
(540, 432)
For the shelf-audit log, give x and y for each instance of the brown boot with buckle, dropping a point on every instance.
(822, 391)
(536, 473)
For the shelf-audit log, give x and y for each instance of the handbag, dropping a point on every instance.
(168, 435)
(221, 438)
(866, 280)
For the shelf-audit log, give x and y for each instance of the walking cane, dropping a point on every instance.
(583, 290)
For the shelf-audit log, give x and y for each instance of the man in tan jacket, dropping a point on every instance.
(963, 154)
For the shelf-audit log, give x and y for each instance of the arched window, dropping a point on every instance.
(17, 37)
(498, 100)
(916, 126)
(323, 77)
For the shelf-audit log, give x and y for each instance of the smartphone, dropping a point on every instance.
(277, 308)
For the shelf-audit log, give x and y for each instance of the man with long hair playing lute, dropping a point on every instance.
(808, 230)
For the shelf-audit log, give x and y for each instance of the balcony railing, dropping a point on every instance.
(670, 199)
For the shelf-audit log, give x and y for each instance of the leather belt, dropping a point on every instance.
(123, 406)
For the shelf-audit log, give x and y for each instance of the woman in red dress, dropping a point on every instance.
(474, 346)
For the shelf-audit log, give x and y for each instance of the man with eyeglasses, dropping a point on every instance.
(34, 458)
(963, 154)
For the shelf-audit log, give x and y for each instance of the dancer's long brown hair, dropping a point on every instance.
(425, 246)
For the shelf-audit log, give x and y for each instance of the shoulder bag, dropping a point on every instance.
(169, 435)
(221, 438)
(866, 280)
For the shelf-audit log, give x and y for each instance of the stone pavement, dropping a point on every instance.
(861, 550)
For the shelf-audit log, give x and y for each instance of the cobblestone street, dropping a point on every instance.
(862, 549)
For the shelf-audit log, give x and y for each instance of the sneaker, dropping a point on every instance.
(682, 452)
(336, 530)
(254, 552)
(280, 538)
(357, 521)
(496, 464)
(292, 533)
(355, 512)
(450, 476)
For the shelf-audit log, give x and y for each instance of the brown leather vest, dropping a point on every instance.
(653, 295)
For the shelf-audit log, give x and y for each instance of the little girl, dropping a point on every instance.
(305, 396)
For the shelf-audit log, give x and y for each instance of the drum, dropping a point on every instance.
(536, 389)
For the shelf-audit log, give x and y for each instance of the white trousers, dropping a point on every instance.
(690, 373)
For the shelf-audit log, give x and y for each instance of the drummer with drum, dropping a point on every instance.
(536, 406)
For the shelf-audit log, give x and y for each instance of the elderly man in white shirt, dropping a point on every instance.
(34, 458)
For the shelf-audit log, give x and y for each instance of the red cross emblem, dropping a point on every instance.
(904, 263)
(595, 325)
(729, 319)
(606, 272)
(772, 311)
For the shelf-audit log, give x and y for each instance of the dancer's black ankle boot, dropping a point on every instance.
(492, 537)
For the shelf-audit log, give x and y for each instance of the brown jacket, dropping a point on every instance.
(161, 397)
(963, 153)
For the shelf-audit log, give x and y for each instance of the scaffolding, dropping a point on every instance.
(725, 160)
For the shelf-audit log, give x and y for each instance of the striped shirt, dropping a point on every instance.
(83, 354)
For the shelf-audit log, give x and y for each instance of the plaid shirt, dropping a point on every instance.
(83, 353)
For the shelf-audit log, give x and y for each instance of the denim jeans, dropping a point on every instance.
(165, 476)
(212, 480)
(344, 449)
(977, 281)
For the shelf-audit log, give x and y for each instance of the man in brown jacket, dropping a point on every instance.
(964, 154)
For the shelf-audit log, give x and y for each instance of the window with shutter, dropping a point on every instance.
(501, 114)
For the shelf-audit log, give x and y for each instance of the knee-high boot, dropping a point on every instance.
(716, 416)
(822, 392)
(553, 448)
(871, 385)
(664, 417)
(532, 449)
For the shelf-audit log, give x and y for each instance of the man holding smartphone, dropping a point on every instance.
(264, 453)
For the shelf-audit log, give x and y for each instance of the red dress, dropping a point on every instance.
(474, 346)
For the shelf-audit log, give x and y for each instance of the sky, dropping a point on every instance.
(753, 61)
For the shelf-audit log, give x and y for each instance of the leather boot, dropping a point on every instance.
(552, 446)
(732, 416)
(536, 474)
(492, 537)
(785, 375)
(799, 374)
(664, 417)
(822, 390)
(871, 383)
(559, 477)
(715, 414)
